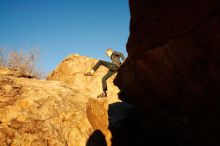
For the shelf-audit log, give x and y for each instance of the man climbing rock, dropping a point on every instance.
(112, 66)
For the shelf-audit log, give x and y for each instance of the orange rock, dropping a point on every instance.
(59, 111)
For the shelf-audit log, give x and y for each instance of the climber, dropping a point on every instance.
(113, 67)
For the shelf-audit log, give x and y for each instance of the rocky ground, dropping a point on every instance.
(60, 111)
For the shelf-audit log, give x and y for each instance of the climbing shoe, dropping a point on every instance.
(88, 74)
(102, 95)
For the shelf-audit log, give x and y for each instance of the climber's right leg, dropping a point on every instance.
(108, 65)
(104, 63)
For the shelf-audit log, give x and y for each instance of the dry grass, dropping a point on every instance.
(2, 58)
(25, 62)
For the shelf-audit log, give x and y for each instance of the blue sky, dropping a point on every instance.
(62, 27)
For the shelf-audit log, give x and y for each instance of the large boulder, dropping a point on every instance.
(172, 71)
(56, 113)
(72, 69)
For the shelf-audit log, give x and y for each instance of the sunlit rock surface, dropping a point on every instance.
(56, 113)
(71, 71)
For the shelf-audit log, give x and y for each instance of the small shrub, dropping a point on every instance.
(25, 62)
(2, 58)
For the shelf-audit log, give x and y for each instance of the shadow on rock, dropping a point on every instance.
(130, 128)
(97, 139)
(121, 131)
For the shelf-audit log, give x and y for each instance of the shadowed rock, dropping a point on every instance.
(96, 139)
(171, 75)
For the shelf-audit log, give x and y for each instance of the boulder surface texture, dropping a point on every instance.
(60, 111)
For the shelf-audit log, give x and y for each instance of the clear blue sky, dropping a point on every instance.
(63, 27)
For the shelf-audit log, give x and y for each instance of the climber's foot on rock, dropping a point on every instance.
(88, 74)
(102, 95)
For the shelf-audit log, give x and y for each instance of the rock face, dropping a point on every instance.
(71, 71)
(172, 71)
(40, 112)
